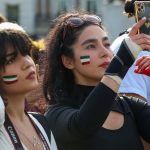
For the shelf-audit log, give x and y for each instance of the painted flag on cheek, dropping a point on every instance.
(85, 60)
(10, 79)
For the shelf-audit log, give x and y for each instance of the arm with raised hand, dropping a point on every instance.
(124, 58)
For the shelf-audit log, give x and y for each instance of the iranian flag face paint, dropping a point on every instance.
(85, 60)
(10, 79)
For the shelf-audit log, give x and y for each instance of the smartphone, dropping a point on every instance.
(142, 9)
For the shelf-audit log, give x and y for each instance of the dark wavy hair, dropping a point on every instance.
(58, 80)
(19, 41)
(129, 8)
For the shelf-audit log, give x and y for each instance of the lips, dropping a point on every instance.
(30, 76)
(104, 65)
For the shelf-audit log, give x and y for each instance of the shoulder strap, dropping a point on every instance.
(42, 120)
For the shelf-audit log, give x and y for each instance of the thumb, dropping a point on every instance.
(136, 27)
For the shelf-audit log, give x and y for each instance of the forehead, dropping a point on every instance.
(92, 32)
(9, 48)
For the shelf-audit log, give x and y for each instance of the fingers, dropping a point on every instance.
(143, 63)
(135, 27)
(139, 60)
(142, 40)
(145, 71)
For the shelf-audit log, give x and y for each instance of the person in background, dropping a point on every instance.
(81, 83)
(35, 101)
(18, 76)
(134, 84)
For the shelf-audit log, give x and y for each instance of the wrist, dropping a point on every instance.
(111, 83)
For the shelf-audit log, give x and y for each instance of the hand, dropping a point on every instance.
(144, 71)
(143, 65)
(142, 40)
(125, 56)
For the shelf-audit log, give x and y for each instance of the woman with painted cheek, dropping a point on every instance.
(18, 71)
(18, 129)
(81, 83)
(92, 56)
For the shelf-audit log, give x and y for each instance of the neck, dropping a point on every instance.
(15, 107)
(81, 80)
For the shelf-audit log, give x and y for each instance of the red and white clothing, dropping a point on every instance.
(133, 82)
(136, 83)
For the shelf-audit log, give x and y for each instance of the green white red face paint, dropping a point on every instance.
(85, 60)
(10, 79)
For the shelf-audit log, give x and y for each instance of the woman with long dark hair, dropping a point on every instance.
(81, 84)
(18, 76)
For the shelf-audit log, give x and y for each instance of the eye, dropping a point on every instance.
(90, 46)
(10, 60)
(107, 45)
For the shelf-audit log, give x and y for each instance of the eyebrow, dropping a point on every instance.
(105, 38)
(88, 41)
(94, 40)
(10, 54)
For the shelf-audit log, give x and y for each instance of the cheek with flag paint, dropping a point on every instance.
(85, 60)
(10, 79)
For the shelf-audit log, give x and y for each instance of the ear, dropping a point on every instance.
(67, 62)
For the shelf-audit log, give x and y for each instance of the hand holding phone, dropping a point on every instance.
(142, 9)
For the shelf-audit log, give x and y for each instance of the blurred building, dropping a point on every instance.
(36, 15)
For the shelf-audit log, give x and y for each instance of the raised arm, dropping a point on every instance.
(124, 58)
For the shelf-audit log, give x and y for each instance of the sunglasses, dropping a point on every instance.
(75, 22)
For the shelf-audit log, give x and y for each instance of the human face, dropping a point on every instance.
(93, 44)
(19, 75)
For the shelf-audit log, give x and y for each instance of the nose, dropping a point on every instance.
(27, 62)
(105, 52)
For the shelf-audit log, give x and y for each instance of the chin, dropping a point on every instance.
(33, 87)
